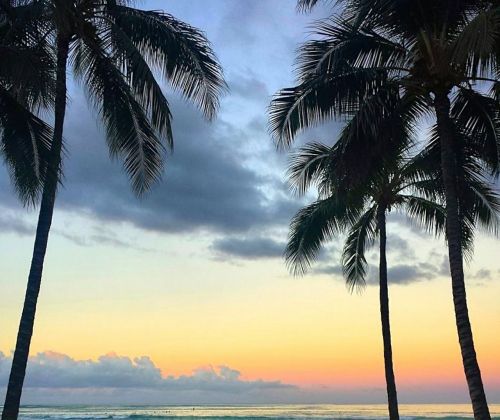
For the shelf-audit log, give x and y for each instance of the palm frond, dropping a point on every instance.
(421, 174)
(308, 165)
(476, 45)
(25, 145)
(179, 51)
(361, 236)
(143, 84)
(477, 199)
(320, 98)
(480, 202)
(407, 18)
(128, 131)
(428, 214)
(380, 132)
(343, 45)
(311, 227)
(306, 5)
(477, 117)
(27, 68)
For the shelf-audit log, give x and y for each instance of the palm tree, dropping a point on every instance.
(114, 51)
(363, 215)
(354, 198)
(439, 53)
(357, 203)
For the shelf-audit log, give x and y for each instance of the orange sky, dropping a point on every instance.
(189, 312)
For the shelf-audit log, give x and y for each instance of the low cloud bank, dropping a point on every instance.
(55, 378)
(56, 370)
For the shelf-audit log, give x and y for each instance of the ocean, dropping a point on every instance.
(280, 412)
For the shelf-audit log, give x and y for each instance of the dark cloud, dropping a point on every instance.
(403, 266)
(406, 273)
(212, 182)
(249, 248)
(207, 185)
(402, 274)
(480, 276)
(399, 246)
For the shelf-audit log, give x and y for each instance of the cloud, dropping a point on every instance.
(402, 220)
(10, 223)
(223, 177)
(55, 378)
(208, 184)
(249, 248)
(399, 246)
(482, 274)
(51, 370)
(444, 267)
(100, 238)
(250, 88)
(403, 274)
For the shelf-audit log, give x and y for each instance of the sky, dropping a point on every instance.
(183, 296)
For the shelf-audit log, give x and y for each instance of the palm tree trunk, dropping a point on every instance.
(20, 360)
(392, 396)
(453, 232)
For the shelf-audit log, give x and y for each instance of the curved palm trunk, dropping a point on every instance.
(392, 396)
(20, 360)
(453, 232)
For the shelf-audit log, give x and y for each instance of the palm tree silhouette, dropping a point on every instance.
(114, 51)
(442, 55)
(357, 201)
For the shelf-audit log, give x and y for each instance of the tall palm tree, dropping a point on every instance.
(358, 202)
(440, 53)
(114, 50)
(361, 213)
